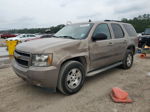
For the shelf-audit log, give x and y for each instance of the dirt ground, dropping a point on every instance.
(18, 96)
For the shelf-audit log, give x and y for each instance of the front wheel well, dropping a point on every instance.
(80, 59)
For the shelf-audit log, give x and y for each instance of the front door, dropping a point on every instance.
(101, 51)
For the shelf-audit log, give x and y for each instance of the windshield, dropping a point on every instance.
(21, 36)
(75, 31)
(147, 31)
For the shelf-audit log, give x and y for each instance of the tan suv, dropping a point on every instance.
(75, 52)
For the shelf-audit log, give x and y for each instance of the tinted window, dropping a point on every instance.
(102, 28)
(118, 32)
(130, 30)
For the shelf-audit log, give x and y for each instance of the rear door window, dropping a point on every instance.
(118, 32)
(130, 30)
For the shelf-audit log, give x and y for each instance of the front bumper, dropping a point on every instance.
(40, 76)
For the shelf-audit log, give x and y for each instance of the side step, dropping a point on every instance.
(103, 69)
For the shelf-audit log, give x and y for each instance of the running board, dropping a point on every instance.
(103, 69)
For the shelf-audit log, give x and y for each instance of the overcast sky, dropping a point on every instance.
(45, 13)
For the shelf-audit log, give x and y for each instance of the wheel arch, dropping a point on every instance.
(81, 59)
(132, 48)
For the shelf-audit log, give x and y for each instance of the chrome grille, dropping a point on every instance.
(22, 58)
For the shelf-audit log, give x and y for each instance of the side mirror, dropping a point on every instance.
(99, 36)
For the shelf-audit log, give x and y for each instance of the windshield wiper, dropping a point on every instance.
(70, 37)
(56, 36)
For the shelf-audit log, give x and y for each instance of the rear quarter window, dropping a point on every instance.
(130, 30)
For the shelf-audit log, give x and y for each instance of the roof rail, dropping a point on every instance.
(112, 20)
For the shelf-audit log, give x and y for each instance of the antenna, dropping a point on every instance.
(90, 20)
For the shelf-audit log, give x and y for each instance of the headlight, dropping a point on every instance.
(42, 60)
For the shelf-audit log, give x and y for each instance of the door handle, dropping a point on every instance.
(125, 41)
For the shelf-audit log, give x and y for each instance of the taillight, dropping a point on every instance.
(137, 40)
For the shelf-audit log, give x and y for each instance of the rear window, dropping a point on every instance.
(130, 30)
(147, 31)
(118, 32)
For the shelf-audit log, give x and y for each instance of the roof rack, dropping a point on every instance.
(112, 20)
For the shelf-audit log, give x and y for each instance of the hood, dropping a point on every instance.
(46, 45)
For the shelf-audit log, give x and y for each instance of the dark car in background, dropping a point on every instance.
(145, 38)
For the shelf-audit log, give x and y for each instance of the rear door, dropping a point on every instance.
(119, 40)
(133, 39)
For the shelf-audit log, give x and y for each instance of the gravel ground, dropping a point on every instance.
(18, 96)
(4, 59)
(3, 51)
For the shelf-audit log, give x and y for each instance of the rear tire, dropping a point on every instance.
(128, 60)
(72, 77)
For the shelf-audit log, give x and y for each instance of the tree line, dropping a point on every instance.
(51, 30)
(140, 23)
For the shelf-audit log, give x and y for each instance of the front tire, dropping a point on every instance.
(72, 76)
(128, 60)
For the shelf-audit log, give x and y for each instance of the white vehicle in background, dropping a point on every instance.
(23, 37)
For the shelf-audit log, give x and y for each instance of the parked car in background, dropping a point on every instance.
(23, 37)
(5, 36)
(40, 37)
(75, 52)
(144, 39)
